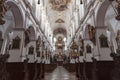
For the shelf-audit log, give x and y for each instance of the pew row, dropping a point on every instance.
(87, 70)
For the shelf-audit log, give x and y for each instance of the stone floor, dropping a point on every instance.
(60, 73)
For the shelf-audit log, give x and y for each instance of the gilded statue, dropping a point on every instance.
(118, 39)
(3, 10)
(92, 32)
(118, 9)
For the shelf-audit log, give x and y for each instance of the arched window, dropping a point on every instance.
(31, 50)
(103, 41)
(88, 49)
(16, 43)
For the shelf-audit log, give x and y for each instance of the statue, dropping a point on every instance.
(118, 9)
(3, 10)
(27, 37)
(92, 32)
(118, 39)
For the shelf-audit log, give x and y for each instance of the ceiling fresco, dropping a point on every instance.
(60, 31)
(59, 5)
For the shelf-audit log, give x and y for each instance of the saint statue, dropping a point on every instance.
(118, 9)
(3, 10)
(118, 39)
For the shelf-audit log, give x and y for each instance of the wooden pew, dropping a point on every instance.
(50, 67)
(16, 71)
(103, 72)
(4, 75)
(70, 67)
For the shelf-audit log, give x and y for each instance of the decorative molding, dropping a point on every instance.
(59, 21)
(100, 27)
(19, 29)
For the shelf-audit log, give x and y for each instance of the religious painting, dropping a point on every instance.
(38, 54)
(59, 5)
(1, 43)
(27, 36)
(88, 48)
(31, 50)
(1, 40)
(16, 43)
(103, 41)
(38, 42)
(81, 53)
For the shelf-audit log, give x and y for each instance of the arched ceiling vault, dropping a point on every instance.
(59, 19)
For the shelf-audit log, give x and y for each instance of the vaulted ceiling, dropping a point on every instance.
(58, 12)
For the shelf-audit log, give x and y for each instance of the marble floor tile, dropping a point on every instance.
(60, 73)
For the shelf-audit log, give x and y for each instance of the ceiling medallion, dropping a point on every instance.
(59, 5)
(59, 21)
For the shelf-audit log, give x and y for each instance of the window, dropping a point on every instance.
(16, 43)
(88, 49)
(31, 50)
(103, 41)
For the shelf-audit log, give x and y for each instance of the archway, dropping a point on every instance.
(100, 18)
(100, 21)
(18, 16)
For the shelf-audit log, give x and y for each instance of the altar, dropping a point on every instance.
(60, 59)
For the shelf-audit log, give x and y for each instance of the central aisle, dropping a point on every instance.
(60, 73)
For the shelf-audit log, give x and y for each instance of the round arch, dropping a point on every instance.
(100, 18)
(17, 13)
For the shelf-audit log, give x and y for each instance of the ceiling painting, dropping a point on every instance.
(59, 5)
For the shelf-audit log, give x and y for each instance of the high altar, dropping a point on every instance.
(59, 59)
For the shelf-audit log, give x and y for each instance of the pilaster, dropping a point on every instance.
(16, 53)
(103, 52)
